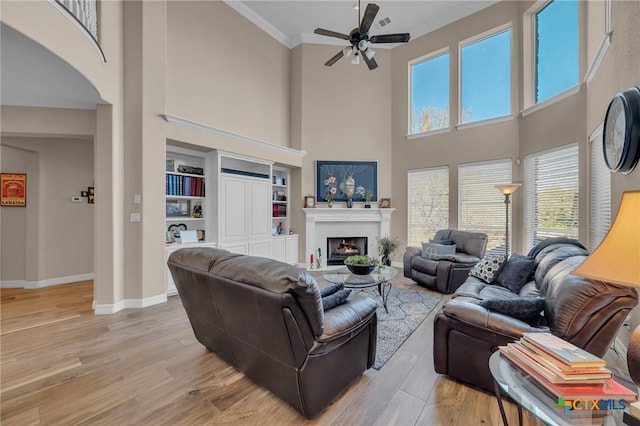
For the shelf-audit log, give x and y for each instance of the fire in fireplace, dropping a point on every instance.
(338, 249)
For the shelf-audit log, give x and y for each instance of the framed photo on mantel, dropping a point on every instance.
(344, 180)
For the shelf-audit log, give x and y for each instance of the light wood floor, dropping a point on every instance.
(63, 365)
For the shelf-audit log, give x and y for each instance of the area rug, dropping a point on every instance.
(407, 310)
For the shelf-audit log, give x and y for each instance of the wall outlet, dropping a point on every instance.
(134, 217)
(76, 199)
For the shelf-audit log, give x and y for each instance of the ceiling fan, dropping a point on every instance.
(360, 39)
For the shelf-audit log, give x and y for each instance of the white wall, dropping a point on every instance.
(51, 239)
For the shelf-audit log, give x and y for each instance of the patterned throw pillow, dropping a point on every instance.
(487, 269)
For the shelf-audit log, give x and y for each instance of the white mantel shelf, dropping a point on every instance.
(323, 222)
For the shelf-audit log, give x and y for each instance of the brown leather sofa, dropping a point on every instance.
(266, 318)
(585, 312)
(446, 275)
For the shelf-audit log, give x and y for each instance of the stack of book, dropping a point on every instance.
(564, 370)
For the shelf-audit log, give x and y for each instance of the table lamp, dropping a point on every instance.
(617, 261)
(507, 189)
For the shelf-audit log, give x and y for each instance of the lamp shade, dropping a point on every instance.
(617, 259)
(508, 188)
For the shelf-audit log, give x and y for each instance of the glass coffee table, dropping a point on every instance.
(521, 388)
(380, 278)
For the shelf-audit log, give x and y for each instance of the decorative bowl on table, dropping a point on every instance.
(360, 265)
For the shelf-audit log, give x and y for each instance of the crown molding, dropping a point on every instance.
(260, 22)
(172, 119)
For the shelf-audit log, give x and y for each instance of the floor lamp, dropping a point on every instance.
(507, 189)
(617, 261)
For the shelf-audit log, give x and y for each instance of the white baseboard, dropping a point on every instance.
(397, 265)
(105, 309)
(46, 283)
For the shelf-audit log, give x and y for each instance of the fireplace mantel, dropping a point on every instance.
(336, 222)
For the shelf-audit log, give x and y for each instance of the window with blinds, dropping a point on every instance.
(428, 209)
(551, 195)
(480, 205)
(600, 192)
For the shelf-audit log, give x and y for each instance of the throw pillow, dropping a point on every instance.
(434, 251)
(443, 242)
(329, 290)
(487, 269)
(516, 272)
(524, 308)
(335, 299)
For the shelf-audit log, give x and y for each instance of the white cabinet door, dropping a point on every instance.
(260, 248)
(292, 250)
(234, 197)
(239, 248)
(170, 286)
(278, 249)
(259, 220)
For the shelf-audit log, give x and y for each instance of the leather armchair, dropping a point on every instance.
(266, 318)
(446, 276)
(585, 312)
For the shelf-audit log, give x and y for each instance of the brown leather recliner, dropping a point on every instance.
(266, 318)
(585, 312)
(446, 275)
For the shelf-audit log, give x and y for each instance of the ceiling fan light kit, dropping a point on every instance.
(360, 39)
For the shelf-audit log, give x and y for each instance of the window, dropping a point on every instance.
(429, 80)
(600, 191)
(556, 48)
(551, 195)
(428, 194)
(480, 204)
(485, 78)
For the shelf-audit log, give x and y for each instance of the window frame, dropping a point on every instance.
(498, 203)
(529, 65)
(424, 58)
(435, 169)
(529, 193)
(599, 190)
(474, 39)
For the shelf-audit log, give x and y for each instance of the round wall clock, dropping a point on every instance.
(621, 140)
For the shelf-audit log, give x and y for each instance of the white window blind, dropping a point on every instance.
(551, 195)
(600, 191)
(480, 205)
(428, 195)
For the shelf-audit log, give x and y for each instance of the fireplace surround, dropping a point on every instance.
(322, 223)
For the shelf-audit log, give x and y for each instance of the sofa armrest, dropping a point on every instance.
(409, 254)
(478, 316)
(345, 319)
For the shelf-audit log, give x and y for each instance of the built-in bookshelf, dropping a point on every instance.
(280, 213)
(185, 195)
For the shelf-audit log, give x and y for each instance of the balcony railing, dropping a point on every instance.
(86, 12)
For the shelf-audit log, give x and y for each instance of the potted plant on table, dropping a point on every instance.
(360, 265)
(386, 246)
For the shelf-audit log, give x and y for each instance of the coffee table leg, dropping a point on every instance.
(496, 387)
(385, 294)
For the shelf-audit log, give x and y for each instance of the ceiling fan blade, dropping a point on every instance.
(369, 15)
(371, 63)
(334, 59)
(330, 33)
(390, 38)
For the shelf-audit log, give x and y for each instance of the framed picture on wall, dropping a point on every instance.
(344, 180)
(13, 189)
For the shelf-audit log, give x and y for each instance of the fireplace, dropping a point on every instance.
(339, 248)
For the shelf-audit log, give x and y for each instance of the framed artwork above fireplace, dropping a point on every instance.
(341, 180)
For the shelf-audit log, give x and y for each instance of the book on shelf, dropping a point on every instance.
(609, 389)
(523, 358)
(561, 350)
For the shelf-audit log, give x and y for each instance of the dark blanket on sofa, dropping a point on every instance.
(558, 240)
